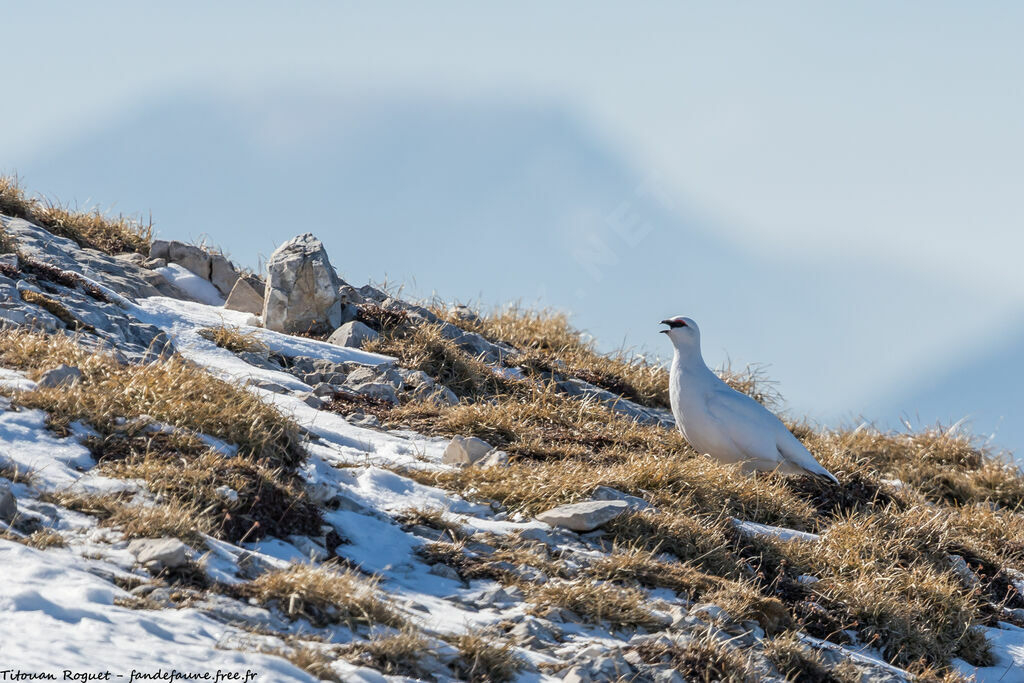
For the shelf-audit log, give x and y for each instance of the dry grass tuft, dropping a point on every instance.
(324, 594)
(550, 344)
(233, 339)
(312, 660)
(45, 538)
(401, 654)
(703, 657)
(944, 465)
(594, 601)
(425, 348)
(482, 660)
(92, 229)
(173, 391)
(799, 663)
(136, 521)
(267, 502)
(56, 309)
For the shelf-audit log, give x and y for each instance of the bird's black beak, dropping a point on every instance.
(664, 322)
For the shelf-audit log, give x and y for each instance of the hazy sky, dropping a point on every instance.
(882, 134)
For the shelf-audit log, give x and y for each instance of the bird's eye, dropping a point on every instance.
(677, 323)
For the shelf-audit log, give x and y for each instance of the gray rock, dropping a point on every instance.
(323, 390)
(244, 297)
(160, 249)
(608, 493)
(585, 516)
(445, 571)
(223, 274)
(379, 390)
(301, 293)
(159, 553)
(189, 256)
(465, 450)
(126, 278)
(312, 400)
(534, 632)
(8, 504)
(353, 334)
(62, 375)
(362, 374)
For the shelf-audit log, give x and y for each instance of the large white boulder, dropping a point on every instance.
(302, 289)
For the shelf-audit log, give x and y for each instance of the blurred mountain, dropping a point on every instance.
(498, 201)
(986, 389)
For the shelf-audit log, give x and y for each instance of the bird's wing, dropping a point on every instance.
(760, 435)
(745, 422)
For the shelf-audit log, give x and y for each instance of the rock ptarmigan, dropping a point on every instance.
(724, 423)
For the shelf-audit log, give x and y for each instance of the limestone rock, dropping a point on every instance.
(244, 297)
(465, 450)
(62, 375)
(608, 493)
(223, 274)
(302, 289)
(159, 553)
(585, 516)
(189, 256)
(353, 334)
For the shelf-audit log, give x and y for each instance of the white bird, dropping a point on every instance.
(724, 423)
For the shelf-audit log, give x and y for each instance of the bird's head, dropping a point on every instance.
(683, 332)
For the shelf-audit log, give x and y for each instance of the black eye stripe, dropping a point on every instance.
(676, 323)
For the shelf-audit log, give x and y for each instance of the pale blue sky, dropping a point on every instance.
(879, 140)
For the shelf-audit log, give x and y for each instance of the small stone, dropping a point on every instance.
(353, 334)
(244, 297)
(8, 504)
(323, 389)
(608, 493)
(465, 450)
(361, 375)
(379, 390)
(585, 516)
(227, 493)
(807, 580)
(312, 400)
(445, 571)
(160, 553)
(62, 375)
(709, 611)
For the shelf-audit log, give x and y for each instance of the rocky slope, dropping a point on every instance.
(206, 469)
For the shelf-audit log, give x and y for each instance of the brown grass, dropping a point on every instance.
(233, 339)
(483, 660)
(702, 658)
(136, 521)
(56, 309)
(401, 654)
(425, 348)
(323, 595)
(593, 601)
(549, 343)
(173, 391)
(93, 229)
(799, 663)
